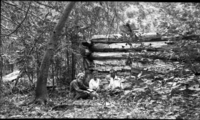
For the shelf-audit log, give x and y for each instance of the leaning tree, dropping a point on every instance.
(41, 90)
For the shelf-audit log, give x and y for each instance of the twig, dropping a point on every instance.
(6, 18)
(21, 21)
(22, 10)
(45, 5)
(35, 41)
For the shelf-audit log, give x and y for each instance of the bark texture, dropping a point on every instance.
(41, 90)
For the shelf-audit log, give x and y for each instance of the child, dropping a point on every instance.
(114, 81)
(94, 82)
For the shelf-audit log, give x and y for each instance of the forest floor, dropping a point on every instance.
(164, 97)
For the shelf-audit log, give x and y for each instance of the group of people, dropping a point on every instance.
(79, 90)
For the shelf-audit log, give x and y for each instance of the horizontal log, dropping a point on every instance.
(182, 37)
(117, 62)
(116, 68)
(122, 40)
(110, 62)
(144, 35)
(117, 38)
(113, 38)
(109, 55)
(124, 55)
(150, 35)
(138, 49)
(125, 47)
(122, 71)
(110, 36)
(120, 55)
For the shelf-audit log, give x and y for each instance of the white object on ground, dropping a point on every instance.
(11, 76)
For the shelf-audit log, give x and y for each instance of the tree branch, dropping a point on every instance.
(45, 5)
(6, 18)
(21, 21)
(22, 10)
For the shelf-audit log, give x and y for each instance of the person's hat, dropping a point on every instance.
(80, 75)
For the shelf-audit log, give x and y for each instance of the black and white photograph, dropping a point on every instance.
(100, 60)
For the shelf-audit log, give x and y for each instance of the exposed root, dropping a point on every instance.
(38, 101)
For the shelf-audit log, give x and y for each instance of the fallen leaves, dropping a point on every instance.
(163, 96)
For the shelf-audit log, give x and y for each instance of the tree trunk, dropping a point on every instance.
(38, 64)
(73, 66)
(52, 68)
(1, 68)
(68, 64)
(41, 90)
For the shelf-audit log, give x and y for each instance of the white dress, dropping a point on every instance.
(114, 83)
(94, 84)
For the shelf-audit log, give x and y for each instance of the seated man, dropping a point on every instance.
(94, 82)
(79, 90)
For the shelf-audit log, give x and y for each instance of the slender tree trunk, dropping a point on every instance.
(41, 90)
(73, 66)
(53, 76)
(38, 65)
(57, 68)
(1, 68)
(68, 64)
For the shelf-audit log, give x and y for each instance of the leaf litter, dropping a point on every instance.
(166, 98)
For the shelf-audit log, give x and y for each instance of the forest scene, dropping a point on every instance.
(103, 59)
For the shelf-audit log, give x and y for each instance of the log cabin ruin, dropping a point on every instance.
(127, 56)
(104, 53)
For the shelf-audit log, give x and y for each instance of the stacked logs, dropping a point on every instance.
(112, 52)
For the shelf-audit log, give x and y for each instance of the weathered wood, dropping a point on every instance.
(110, 36)
(121, 40)
(125, 47)
(120, 55)
(150, 35)
(118, 38)
(124, 55)
(116, 68)
(117, 63)
(109, 55)
(111, 52)
(137, 49)
(110, 62)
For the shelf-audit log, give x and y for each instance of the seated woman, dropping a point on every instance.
(79, 90)
(115, 82)
(94, 82)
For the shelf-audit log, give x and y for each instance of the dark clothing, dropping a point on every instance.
(75, 85)
(87, 62)
(78, 90)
